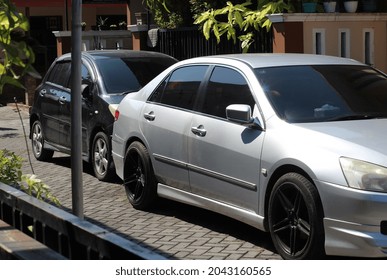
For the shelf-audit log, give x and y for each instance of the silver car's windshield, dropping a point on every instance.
(319, 93)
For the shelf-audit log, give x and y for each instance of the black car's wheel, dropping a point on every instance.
(101, 157)
(139, 180)
(295, 218)
(37, 141)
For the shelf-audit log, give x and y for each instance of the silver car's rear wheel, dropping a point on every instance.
(295, 218)
(37, 141)
(139, 180)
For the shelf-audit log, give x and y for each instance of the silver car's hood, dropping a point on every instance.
(317, 147)
(369, 134)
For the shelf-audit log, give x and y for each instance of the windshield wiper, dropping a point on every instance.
(127, 92)
(357, 117)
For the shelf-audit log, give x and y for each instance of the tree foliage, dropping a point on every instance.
(16, 57)
(237, 21)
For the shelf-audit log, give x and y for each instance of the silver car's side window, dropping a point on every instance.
(181, 89)
(226, 86)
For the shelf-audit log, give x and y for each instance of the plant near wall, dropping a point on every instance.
(11, 174)
(170, 13)
(102, 23)
(16, 57)
(123, 25)
(10, 168)
(237, 22)
(156, 4)
(33, 186)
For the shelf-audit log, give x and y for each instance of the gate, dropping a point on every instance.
(186, 43)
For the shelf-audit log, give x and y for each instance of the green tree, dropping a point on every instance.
(173, 14)
(237, 21)
(16, 57)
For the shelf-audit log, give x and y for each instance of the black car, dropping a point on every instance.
(107, 76)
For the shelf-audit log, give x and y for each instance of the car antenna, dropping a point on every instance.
(25, 135)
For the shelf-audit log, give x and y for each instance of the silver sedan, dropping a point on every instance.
(291, 144)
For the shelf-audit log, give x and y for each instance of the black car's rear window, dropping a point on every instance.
(122, 75)
(325, 92)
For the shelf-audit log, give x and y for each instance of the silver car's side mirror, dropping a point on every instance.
(241, 113)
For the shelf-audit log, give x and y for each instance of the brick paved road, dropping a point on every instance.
(175, 230)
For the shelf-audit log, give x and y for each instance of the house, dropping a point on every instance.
(48, 16)
(361, 35)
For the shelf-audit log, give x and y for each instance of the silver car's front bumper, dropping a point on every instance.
(355, 221)
(356, 240)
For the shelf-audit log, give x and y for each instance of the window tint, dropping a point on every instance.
(226, 86)
(122, 75)
(85, 73)
(60, 74)
(325, 92)
(181, 88)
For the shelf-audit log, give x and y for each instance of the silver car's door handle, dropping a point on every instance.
(150, 116)
(200, 131)
(62, 100)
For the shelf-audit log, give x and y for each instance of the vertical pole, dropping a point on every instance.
(76, 110)
(66, 16)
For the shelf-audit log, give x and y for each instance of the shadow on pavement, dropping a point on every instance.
(215, 222)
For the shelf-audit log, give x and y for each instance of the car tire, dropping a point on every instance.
(37, 142)
(101, 157)
(139, 180)
(295, 218)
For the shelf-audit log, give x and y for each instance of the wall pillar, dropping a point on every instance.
(63, 44)
(288, 37)
(139, 36)
(59, 47)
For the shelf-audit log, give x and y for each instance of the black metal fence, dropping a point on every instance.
(65, 233)
(186, 43)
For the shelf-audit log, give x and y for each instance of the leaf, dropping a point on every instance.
(216, 33)
(30, 70)
(206, 29)
(203, 17)
(10, 80)
(238, 19)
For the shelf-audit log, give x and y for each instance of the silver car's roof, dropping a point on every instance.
(258, 60)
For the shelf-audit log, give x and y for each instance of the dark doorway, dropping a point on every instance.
(43, 40)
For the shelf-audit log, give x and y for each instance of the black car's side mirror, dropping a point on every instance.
(86, 92)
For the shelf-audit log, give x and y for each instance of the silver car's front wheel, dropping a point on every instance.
(295, 218)
(101, 157)
(37, 141)
(139, 180)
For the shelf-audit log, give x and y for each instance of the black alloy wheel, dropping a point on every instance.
(139, 180)
(295, 218)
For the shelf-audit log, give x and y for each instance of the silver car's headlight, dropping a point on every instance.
(364, 175)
